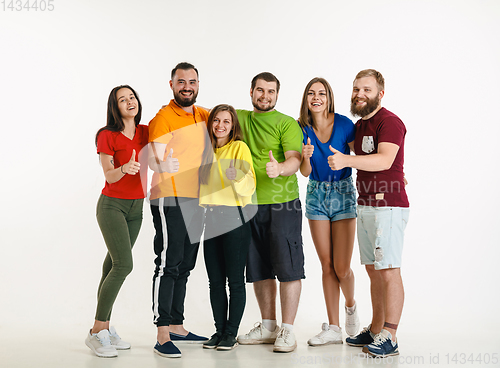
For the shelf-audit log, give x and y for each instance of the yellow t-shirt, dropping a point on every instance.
(186, 134)
(224, 192)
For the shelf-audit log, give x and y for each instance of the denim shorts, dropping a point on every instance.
(381, 235)
(331, 201)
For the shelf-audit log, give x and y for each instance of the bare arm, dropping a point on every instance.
(156, 162)
(285, 168)
(351, 146)
(307, 152)
(382, 160)
(111, 174)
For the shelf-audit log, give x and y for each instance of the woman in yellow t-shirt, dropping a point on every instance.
(227, 184)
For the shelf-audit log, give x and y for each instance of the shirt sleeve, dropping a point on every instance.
(159, 129)
(105, 143)
(391, 130)
(291, 137)
(245, 182)
(351, 130)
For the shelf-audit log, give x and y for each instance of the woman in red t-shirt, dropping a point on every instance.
(119, 209)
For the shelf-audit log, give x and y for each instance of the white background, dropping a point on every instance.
(440, 60)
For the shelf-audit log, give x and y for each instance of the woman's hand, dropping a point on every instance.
(231, 171)
(132, 167)
(307, 149)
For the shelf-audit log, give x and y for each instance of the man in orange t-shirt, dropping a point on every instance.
(178, 136)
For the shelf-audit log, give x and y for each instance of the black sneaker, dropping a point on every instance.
(228, 342)
(213, 342)
(365, 337)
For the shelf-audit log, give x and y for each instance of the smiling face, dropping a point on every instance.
(317, 98)
(127, 103)
(366, 96)
(264, 95)
(222, 126)
(185, 85)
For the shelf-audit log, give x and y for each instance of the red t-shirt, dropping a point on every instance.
(120, 147)
(381, 188)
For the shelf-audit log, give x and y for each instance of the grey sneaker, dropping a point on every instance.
(100, 344)
(352, 322)
(326, 337)
(116, 340)
(259, 335)
(285, 341)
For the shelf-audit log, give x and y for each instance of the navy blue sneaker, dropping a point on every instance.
(190, 338)
(365, 337)
(383, 346)
(167, 350)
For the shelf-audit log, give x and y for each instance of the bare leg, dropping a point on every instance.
(99, 326)
(394, 297)
(265, 292)
(343, 244)
(289, 298)
(163, 334)
(321, 235)
(378, 298)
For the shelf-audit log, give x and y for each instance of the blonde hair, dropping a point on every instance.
(375, 74)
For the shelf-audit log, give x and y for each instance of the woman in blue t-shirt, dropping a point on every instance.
(330, 204)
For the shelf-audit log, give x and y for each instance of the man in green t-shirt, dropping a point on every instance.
(275, 141)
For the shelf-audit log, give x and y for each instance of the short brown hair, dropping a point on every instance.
(268, 77)
(375, 74)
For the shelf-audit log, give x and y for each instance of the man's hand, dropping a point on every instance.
(231, 171)
(172, 164)
(132, 167)
(337, 161)
(307, 150)
(272, 167)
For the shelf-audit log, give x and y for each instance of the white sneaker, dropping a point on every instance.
(326, 337)
(285, 341)
(100, 344)
(259, 335)
(352, 322)
(116, 340)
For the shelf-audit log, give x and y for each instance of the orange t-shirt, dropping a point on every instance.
(186, 134)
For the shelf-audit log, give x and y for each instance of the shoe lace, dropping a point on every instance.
(379, 340)
(105, 341)
(257, 328)
(283, 333)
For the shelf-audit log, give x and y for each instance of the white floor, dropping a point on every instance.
(60, 348)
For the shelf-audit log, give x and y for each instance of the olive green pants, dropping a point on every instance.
(120, 221)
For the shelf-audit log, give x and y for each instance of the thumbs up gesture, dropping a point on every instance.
(337, 160)
(172, 164)
(132, 167)
(272, 167)
(231, 171)
(307, 150)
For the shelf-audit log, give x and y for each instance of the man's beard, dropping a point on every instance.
(183, 101)
(269, 108)
(362, 111)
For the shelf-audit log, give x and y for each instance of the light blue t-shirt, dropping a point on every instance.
(343, 132)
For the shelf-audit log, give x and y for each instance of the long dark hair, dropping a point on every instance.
(305, 118)
(234, 135)
(114, 120)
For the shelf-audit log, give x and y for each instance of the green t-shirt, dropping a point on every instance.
(277, 132)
